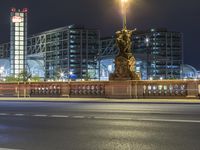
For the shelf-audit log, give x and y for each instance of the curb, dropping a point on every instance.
(103, 100)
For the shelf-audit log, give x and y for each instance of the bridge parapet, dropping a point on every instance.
(131, 89)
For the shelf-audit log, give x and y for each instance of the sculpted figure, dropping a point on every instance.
(124, 61)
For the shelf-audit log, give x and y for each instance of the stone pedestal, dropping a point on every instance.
(124, 68)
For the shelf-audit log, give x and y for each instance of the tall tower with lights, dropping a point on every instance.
(18, 40)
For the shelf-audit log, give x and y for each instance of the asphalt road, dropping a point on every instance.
(99, 126)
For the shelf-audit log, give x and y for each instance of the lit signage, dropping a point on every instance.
(16, 19)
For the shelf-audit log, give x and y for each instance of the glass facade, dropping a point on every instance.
(161, 50)
(18, 38)
(67, 50)
(158, 52)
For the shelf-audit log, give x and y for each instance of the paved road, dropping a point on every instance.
(99, 126)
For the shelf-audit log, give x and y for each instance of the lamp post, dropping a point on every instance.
(147, 41)
(69, 75)
(124, 4)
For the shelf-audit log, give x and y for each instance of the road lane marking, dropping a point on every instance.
(105, 118)
(19, 115)
(4, 114)
(59, 116)
(39, 115)
(78, 117)
(8, 149)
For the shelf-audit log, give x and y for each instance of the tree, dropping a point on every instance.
(87, 76)
(24, 76)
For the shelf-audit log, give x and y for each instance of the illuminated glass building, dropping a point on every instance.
(68, 50)
(162, 51)
(18, 40)
(158, 52)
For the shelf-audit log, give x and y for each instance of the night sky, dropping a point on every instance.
(176, 15)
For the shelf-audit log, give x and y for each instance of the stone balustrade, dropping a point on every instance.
(104, 89)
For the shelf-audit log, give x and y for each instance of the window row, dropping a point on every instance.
(19, 34)
(19, 44)
(19, 28)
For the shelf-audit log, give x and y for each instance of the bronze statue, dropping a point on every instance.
(124, 61)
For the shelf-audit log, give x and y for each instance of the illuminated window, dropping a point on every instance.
(17, 57)
(16, 38)
(22, 33)
(16, 61)
(17, 33)
(16, 52)
(21, 24)
(21, 48)
(21, 67)
(22, 14)
(17, 24)
(21, 38)
(16, 46)
(21, 28)
(16, 28)
(21, 42)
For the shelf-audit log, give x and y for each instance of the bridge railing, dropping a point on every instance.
(104, 89)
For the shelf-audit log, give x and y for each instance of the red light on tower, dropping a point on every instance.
(13, 9)
(25, 10)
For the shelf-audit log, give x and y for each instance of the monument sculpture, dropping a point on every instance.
(124, 61)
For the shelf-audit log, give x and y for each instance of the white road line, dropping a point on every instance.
(106, 118)
(19, 114)
(95, 117)
(39, 115)
(4, 114)
(112, 118)
(59, 116)
(78, 117)
(8, 149)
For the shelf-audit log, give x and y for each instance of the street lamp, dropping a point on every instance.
(147, 41)
(124, 4)
(62, 75)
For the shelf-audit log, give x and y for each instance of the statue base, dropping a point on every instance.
(124, 68)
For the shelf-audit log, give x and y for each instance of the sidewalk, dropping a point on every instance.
(103, 100)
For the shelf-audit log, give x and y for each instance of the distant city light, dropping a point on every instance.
(61, 74)
(147, 40)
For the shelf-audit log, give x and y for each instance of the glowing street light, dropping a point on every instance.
(61, 76)
(147, 40)
(124, 4)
